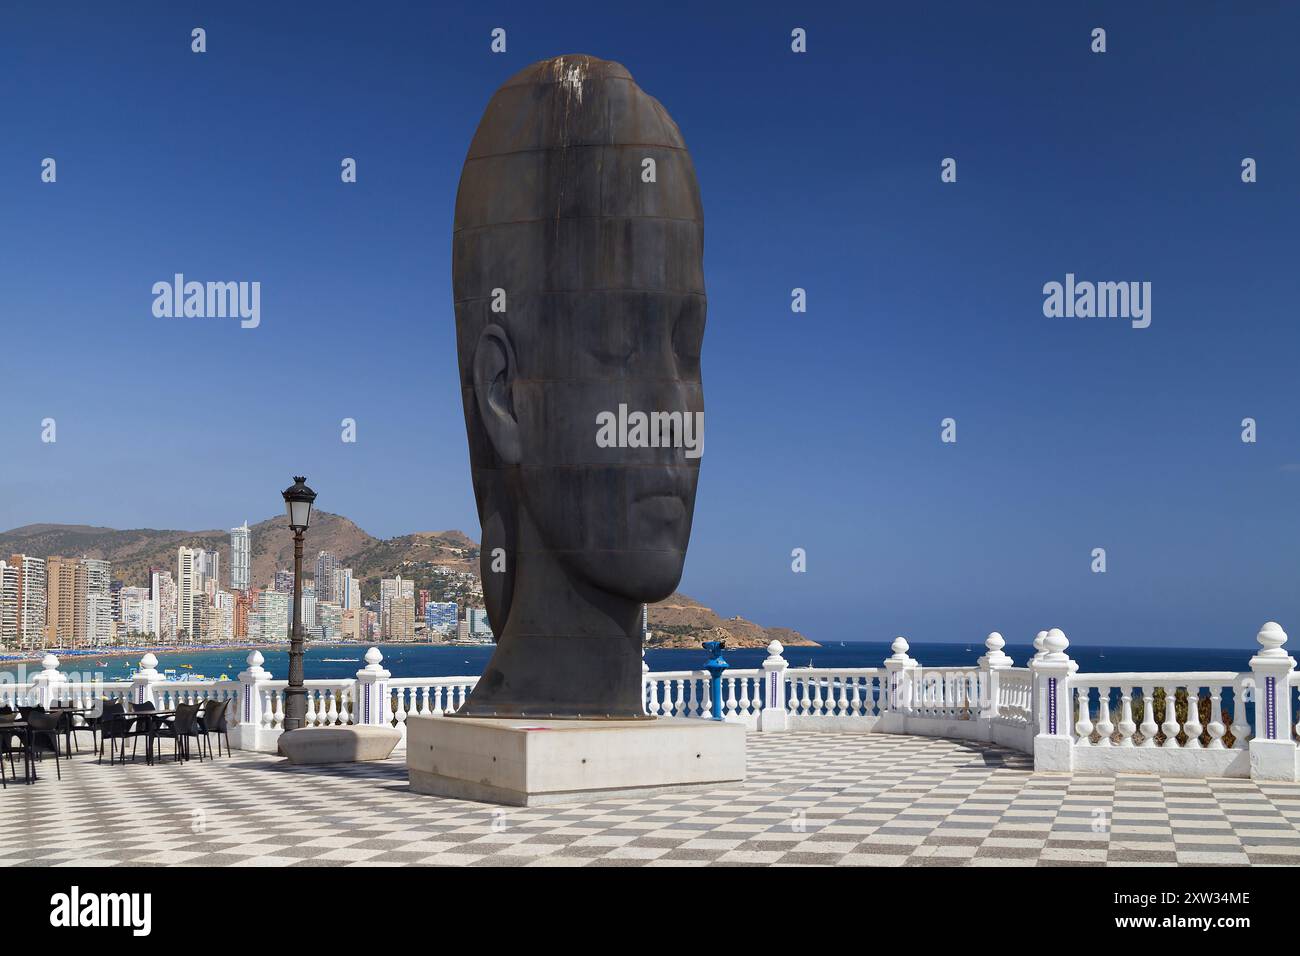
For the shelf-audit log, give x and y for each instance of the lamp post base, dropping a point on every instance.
(295, 708)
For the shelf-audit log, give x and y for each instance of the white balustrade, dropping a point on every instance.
(834, 698)
(675, 693)
(425, 697)
(1163, 723)
(1014, 703)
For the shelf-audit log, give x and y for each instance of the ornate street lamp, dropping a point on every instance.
(297, 502)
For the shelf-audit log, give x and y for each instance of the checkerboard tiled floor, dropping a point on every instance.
(811, 798)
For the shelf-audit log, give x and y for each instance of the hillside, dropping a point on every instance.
(678, 621)
(135, 551)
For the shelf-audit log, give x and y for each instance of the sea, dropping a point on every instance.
(323, 662)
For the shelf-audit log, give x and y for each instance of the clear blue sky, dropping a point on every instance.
(817, 170)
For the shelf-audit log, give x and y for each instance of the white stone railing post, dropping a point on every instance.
(774, 715)
(249, 733)
(1039, 650)
(1054, 743)
(1273, 750)
(146, 676)
(900, 685)
(46, 683)
(372, 704)
(991, 663)
(1040, 646)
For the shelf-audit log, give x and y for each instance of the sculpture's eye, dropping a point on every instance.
(614, 345)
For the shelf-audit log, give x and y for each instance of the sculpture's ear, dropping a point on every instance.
(494, 376)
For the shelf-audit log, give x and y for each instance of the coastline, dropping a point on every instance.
(63, 654)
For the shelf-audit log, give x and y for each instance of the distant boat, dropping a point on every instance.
(101, 663)
(340, 660)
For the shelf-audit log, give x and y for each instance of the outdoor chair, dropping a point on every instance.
(9, 742)
(213, 721)
(66, 728)
(179, 730)
(115, 724)
(43, 732)
(80, 723)
(90, 721)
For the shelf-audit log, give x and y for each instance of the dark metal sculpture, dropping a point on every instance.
(579, 290)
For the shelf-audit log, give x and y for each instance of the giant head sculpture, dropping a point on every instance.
(577, 263)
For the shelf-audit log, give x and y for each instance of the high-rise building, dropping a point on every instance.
(222, 626)
(163, 589)
(390, 589)
(187, 588)
(99, 601)
(327, 562)
(31, 600)
(241, 558)
(422, 598)
(343, 588)
(209, 564)
(477, 619)
(441, 616)
(245, 601)
(270, 622)
(137, 611)
(308, 606)
(351, 623)
(329, 621)
(283, 582)
(8, 605)
(65, 602)
(400, 619)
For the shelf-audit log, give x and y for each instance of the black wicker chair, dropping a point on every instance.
(213, 721)
(179, 730)
(43, 731)
(9, 742)
(115, 724)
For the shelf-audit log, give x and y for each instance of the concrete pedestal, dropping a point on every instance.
(527, 763)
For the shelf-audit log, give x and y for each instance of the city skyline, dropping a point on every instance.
(62, 602)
